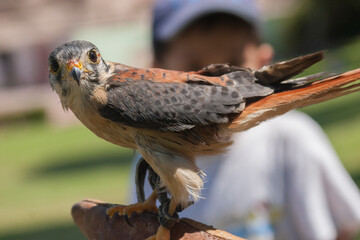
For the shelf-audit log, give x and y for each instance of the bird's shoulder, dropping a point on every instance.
(214, 74)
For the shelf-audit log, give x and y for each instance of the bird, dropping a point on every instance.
(171, 117)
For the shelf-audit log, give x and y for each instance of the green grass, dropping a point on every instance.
(44, 170)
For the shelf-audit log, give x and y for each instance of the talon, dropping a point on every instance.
(164, 212)
(127, 220)
(140, 207)
(110, 212)
(165, 218)
(108, 218)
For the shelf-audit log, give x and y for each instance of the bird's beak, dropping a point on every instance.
(75, 69)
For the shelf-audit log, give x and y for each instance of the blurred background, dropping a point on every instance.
(49, 161)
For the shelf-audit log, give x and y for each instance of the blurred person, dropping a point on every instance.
(279, 180)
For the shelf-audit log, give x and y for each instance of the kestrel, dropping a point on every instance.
(171, 117)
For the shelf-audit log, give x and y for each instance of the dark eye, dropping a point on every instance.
(93, 56)
(54, 65)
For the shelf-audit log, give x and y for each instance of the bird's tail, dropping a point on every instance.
(282, 102)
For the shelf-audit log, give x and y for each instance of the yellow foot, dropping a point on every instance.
(148, 205)
(161, 234)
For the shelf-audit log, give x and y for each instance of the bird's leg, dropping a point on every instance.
(163, 232)
(167, 217)
(141, 168)
(148, 205)
(164, 217)
(168, 208)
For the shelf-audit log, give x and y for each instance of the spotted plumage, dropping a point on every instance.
(170, 106)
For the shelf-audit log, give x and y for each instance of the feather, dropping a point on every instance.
(282, 102)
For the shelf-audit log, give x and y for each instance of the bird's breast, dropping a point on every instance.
(108, 130)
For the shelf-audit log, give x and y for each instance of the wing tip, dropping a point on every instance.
(284, 70)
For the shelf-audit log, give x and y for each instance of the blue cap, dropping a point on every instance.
(172, 16)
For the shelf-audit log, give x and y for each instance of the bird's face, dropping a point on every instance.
(76, 68)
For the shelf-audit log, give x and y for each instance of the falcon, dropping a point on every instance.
(171, 117)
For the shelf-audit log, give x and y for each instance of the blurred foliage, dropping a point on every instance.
(316, 25)
(322, 24)
(35, 115)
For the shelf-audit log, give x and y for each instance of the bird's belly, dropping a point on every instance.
(115, 133)
(110, 131)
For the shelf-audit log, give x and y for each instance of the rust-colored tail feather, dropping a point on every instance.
(282, 102)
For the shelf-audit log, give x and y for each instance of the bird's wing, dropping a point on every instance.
(281, 71)
(176, 101)
(169, 106)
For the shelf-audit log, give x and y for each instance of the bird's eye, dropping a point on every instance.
(93, 57)
(54, 65)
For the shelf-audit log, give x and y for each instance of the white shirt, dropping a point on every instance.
(279, 180)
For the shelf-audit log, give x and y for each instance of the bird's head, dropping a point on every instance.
(76, 68)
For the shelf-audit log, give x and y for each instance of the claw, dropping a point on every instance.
(127, 220)
(140, 207)
(109, 217)
(109, 213)
(164, 217)
(165, 213)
